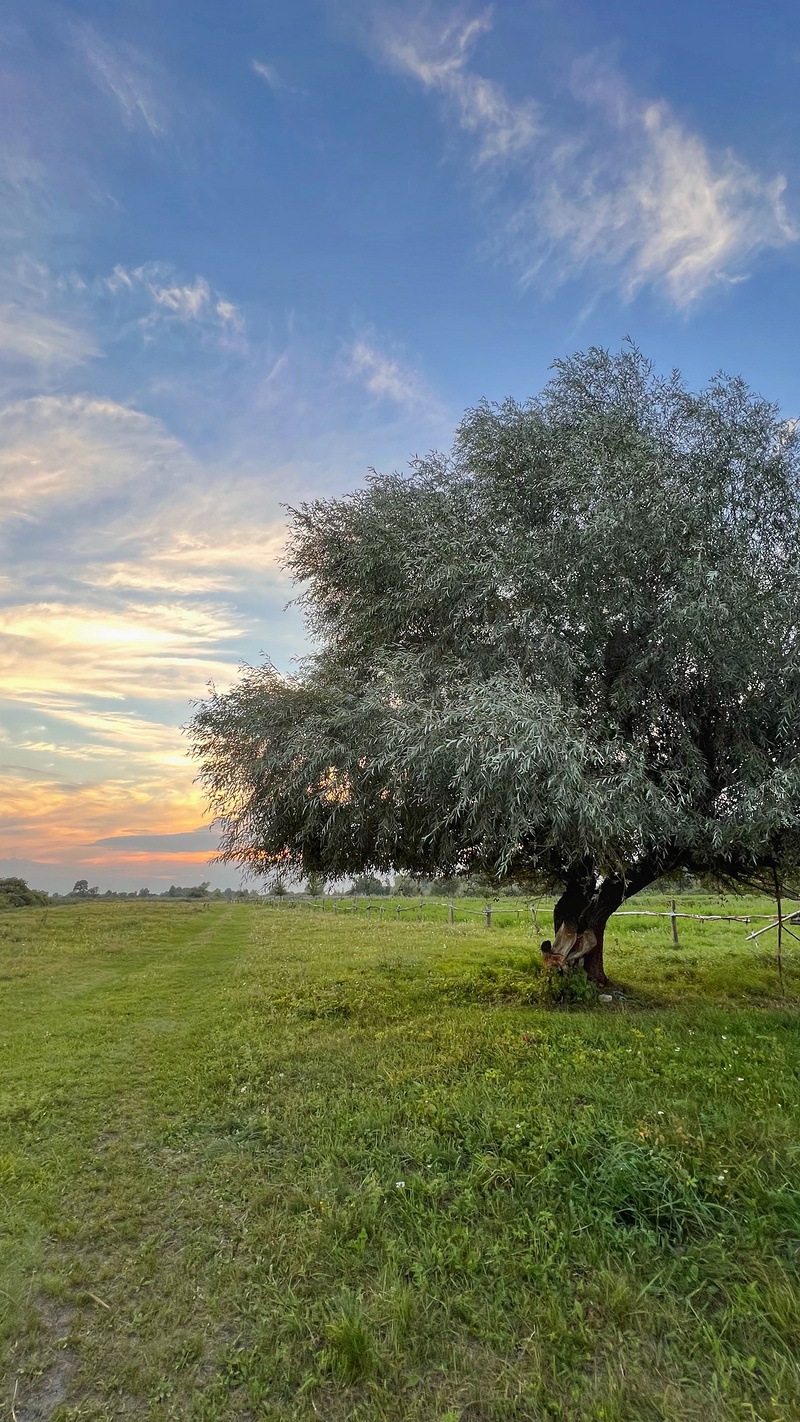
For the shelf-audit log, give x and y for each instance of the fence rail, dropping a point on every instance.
(493, 911)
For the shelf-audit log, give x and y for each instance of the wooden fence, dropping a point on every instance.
(492, 912)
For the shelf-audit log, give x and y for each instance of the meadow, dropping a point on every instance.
(264, 1163)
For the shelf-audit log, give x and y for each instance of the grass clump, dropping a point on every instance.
(350, 1354)
(525, 982)
(268, 1165)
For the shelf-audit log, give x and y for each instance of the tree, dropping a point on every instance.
(368, 884)
(565, 655)
(83, 891)
(406, 887)
(198, 891)
(14, 893)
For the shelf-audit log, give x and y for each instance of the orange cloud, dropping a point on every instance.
(53, 820)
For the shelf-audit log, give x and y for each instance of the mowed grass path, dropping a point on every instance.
(270, 1164)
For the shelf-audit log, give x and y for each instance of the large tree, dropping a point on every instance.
(566, 653)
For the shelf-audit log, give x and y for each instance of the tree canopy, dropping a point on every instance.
(565, 653)
(14, 893)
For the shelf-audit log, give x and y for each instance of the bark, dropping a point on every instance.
(581, 915)
(593, 961)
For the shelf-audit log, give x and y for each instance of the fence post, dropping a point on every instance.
(355, 905)
(369, 910)
(419, 913)
(380, 912)
(336, 905)
(674, 919)
(397, 912)
(451, 913)
(488, 916)
(780, 926)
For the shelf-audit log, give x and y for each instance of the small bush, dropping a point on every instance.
(564, 986)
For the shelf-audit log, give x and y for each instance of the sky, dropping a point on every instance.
(249, 251)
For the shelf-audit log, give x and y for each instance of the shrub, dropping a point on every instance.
(14, 893)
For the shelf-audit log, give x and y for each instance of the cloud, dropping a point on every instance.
(388, 378)
(652, 200)
(171, 300)
(52, 819)
(203, 840)
(107, 626)
(276, 82)
(57, 450)
(97, 734)
(156, 651)
(35, 339)
(128, 76)
(39, 340)
(268, 72)
(211, 556)
(439, 59)
(611, 182)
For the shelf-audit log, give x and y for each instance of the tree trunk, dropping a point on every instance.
(579, 919)
(581, 915)
(593, 962)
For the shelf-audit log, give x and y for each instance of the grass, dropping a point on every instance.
(270, 1164)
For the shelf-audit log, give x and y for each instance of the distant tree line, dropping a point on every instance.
(15, 893)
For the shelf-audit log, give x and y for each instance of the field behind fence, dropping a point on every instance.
(757, 914)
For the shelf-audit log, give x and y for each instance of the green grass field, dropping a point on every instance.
(261, 1163)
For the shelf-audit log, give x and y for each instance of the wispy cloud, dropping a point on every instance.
(33, 338)
(199, 840)
(102, 734)
(169, 299)
(272, 76)
(128, 76)
(58, 451)
(612, 183)
(389, 378)
(651, 199)
(438, 56)
(129, 561)
(270, 73)
(147, 650)
(199, 560)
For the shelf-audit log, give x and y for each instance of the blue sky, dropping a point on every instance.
(250, 250)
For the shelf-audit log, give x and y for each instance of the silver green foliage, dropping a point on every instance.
(568, 648)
